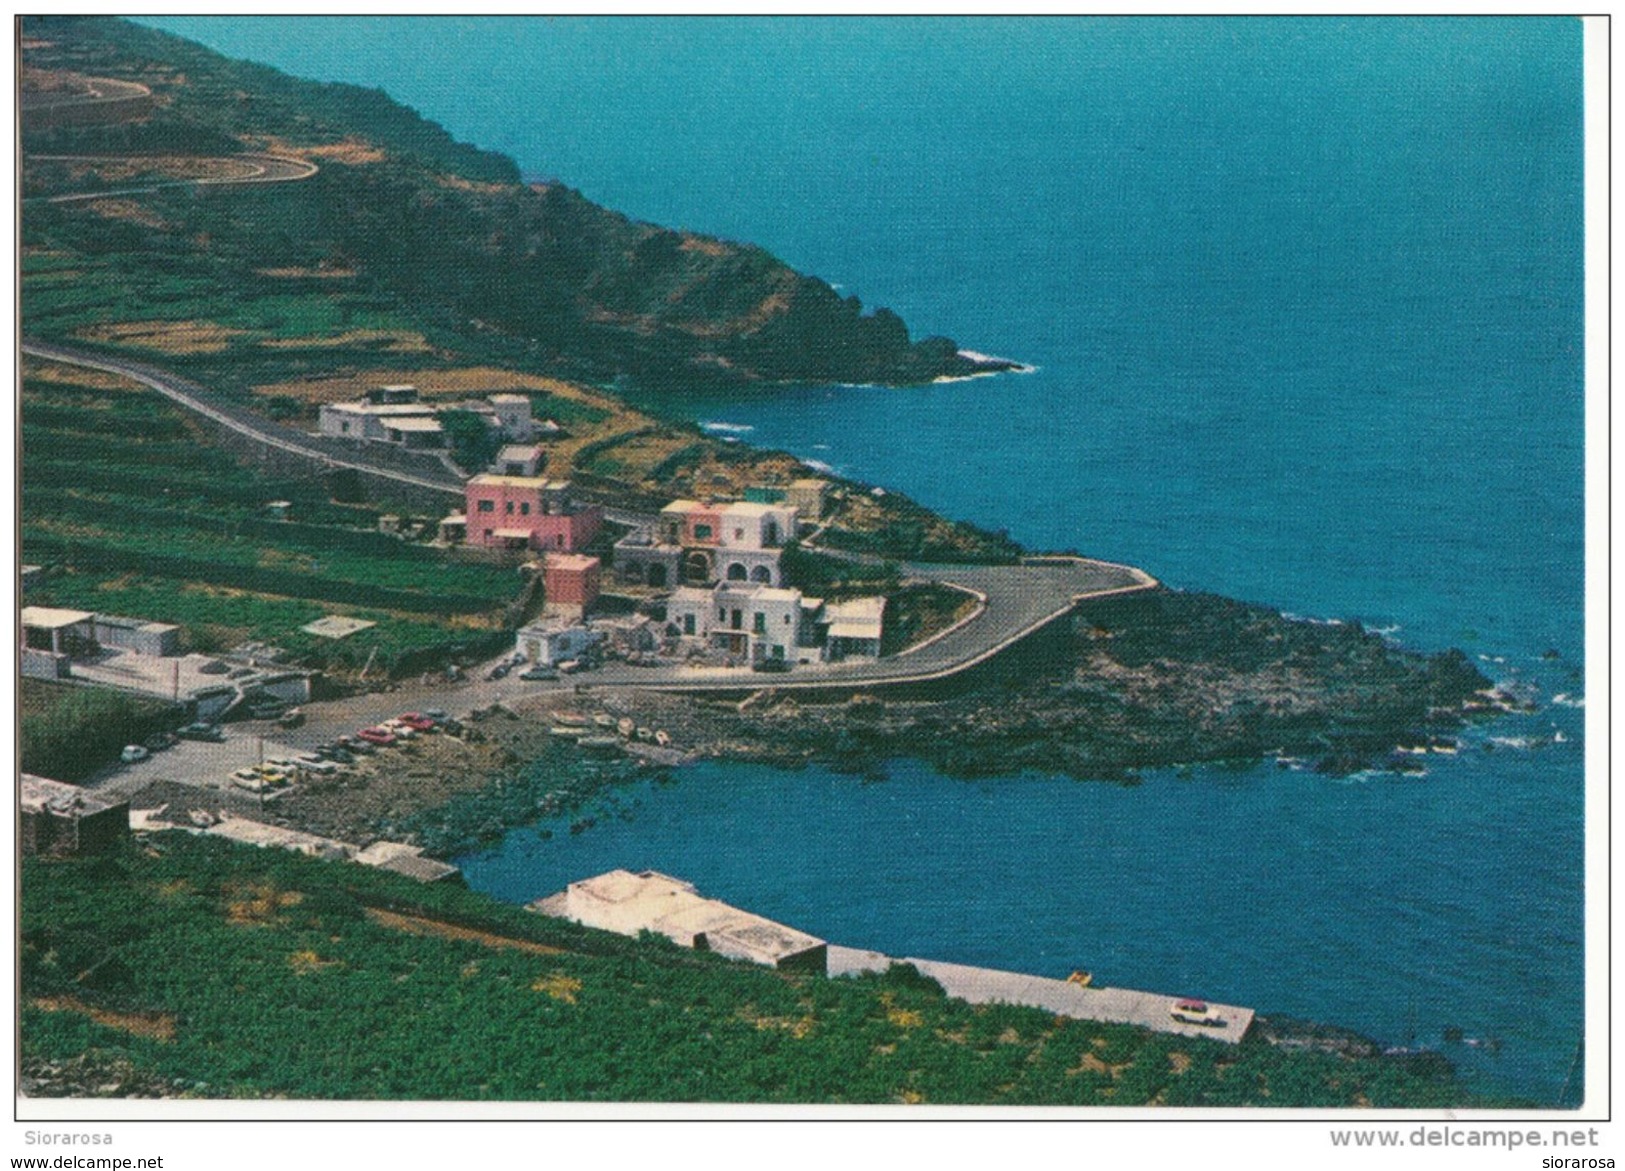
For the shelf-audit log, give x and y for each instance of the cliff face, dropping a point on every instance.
(445, 230)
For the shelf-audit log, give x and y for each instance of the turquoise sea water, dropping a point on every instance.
(1304, 300)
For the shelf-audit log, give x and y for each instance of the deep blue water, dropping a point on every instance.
(1304, 298)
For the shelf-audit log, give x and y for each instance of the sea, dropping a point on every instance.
(1302, 306)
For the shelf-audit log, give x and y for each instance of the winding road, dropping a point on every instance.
(109, 100)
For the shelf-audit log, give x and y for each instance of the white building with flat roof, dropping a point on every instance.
(628, 903)
(750, 622)
(548, 644)
(368, 420)
(854, 628)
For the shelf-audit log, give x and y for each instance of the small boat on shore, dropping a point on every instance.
(567, 731)
(604, 720)
(625, 726)
(605, 745)
(570, 719)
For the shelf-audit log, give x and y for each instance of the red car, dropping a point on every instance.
(377, 736)
(416, 722)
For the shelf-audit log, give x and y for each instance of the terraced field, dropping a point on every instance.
(132, 512)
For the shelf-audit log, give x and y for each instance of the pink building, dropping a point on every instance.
(570, 583)
(518, 512)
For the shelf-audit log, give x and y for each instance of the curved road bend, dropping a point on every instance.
(1019, 599)
(99, 91)
(254, 168)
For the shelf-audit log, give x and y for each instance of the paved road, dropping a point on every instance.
(98, 91)
(248, 168)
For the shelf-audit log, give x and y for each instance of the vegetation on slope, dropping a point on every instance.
(430, 228)
(325, 980)
(68, 732)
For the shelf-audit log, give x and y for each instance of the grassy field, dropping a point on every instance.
(328, 980)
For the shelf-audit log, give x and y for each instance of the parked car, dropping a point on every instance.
(322, 768)
(133, 753)
(161, 741)
(292, 718)
(212, 667)
(377, 736)
(539, 674)
(434, 713)
(200, 731)
(357, 745)
(500, 671)
(571, 666)
(415, 721)
(1195, 1012)
(771, 666)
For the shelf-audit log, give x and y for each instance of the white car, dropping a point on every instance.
(133, 753)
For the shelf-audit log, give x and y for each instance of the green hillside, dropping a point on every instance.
(328, 980)
(402, 232)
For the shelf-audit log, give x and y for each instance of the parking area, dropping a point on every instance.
(202, 764)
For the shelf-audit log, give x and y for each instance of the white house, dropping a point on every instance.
(368, 420)
(549, 644)
(748, 621)
(519, 459)
(393, 414)
(513, 415)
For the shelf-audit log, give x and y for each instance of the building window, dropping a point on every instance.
(787, 619)
(487, 534)
(688, 624)
(702, 532)
(524, 510)
(346, 427)
(739, 534)
(509, 508)
(487, 506)
(760, 624)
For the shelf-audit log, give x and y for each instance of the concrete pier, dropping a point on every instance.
(1124, 1006)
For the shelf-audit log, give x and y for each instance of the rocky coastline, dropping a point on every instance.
(1166, 679)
